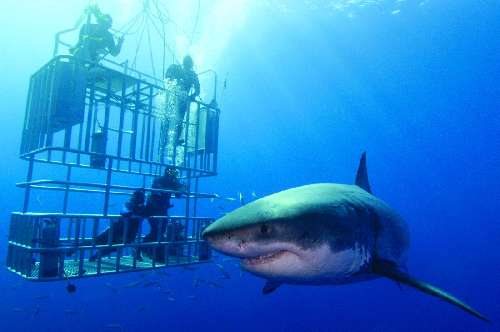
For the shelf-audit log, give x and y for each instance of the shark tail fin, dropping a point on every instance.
(391, 271)
(362, 175)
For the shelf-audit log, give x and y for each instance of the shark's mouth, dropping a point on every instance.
(262, 259)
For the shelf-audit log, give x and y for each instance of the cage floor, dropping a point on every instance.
(110, 265)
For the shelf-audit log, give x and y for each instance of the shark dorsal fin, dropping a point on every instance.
(362, 174)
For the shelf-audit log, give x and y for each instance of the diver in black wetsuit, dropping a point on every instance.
(188, 80)
(95, 40)
(157, 205)
(131, 216)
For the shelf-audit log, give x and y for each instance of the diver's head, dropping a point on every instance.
(136, 202)
(187, 62)
(106, 21)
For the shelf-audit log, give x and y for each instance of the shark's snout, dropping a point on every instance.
(227, 243)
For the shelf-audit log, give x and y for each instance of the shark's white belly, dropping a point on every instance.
(319, 265)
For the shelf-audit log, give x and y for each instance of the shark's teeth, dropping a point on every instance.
(265, 258)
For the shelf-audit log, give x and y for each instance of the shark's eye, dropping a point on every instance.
(264, 229)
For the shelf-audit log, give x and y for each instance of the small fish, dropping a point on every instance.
(133, 284)
(36, 311)
(71, 312)
(189, 268)
(17, 309)
(254, 195)
(241, 198)
(14, 287)
(70, 288)
(191, 297)
(171, 298)
(111, 287)
(114, 326)
(214, 197)
(163, 273)
(214, 284)
(166, 291)
(42, 297)
(223, 271)
(151, 283)
(396, 12)
(141, 308)
(198, 281)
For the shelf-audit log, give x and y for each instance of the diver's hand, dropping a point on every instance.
(92, 9)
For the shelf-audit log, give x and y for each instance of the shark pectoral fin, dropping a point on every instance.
(362, 175)
(270, 287)
(391, 271)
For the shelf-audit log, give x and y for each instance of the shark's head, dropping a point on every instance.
(297, 235)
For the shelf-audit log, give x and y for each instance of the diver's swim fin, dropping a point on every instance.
(391, 271)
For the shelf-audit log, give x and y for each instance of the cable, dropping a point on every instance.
(195, 27)
(163, 36)
(151, 51)
(125, 30)
(134, 62)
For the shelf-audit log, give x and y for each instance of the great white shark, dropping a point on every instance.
(321, 234)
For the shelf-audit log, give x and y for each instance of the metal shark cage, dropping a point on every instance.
(92, 135)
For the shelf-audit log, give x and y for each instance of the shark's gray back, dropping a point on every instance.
(352, 204)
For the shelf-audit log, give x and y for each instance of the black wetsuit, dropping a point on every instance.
(157, 204)
(95, 41)
(130, 219)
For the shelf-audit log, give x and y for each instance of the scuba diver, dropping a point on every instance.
(156, 204)
(188, 81)
(95, 40)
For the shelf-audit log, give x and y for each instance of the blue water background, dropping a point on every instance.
(307, 92)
